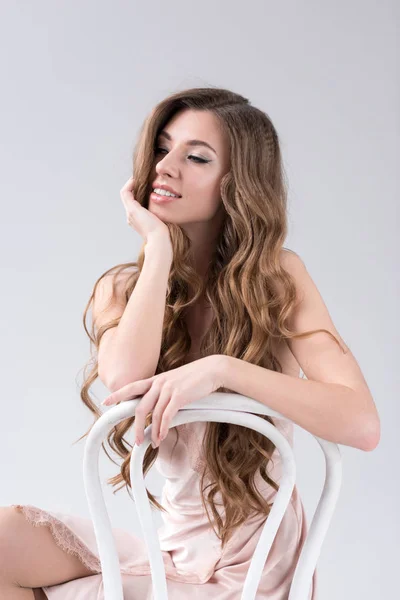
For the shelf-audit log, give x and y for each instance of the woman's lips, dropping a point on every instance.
(161, 199)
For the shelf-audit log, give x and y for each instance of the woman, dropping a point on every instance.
(214, 303)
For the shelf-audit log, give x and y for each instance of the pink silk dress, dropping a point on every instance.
(195, 564)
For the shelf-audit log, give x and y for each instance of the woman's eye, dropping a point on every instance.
(195, 158)
(198, 159)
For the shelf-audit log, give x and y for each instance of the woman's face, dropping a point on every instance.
(193, 170)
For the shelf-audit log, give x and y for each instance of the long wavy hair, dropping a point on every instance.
(251, 294)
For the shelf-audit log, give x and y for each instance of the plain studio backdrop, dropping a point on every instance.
(78, 78)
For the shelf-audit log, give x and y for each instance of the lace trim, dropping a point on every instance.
(70, 543)
(63, 536)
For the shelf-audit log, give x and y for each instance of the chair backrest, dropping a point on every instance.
(217, 407)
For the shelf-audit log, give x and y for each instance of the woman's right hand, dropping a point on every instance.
(147, 224)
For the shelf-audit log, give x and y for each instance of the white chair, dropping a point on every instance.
(217, 407)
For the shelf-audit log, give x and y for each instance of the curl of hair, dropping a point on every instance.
(251, 294)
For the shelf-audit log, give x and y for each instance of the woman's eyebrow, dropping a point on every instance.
(189, 142)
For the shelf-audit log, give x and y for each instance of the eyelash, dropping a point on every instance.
(197, 159)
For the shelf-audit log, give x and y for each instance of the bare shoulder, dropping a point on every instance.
(109, 294)
(292, 263)
(311, 311)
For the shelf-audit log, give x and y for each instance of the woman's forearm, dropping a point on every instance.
(135, 350)
(330, 411)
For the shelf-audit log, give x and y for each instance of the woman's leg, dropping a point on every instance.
(30, 558)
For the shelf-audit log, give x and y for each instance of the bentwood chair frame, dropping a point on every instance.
(217, 407)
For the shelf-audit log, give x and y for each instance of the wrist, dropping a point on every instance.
(159, 245)
(220, 369)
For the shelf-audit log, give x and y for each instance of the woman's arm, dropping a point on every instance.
(133, 350)
(334, 402)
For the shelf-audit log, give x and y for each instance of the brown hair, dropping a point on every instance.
(251, 294)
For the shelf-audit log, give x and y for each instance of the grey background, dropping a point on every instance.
(77, 81)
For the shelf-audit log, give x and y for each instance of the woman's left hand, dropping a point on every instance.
(166, 393)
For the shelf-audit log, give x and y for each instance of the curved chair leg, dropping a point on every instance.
(311, 550)
(111, 574)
